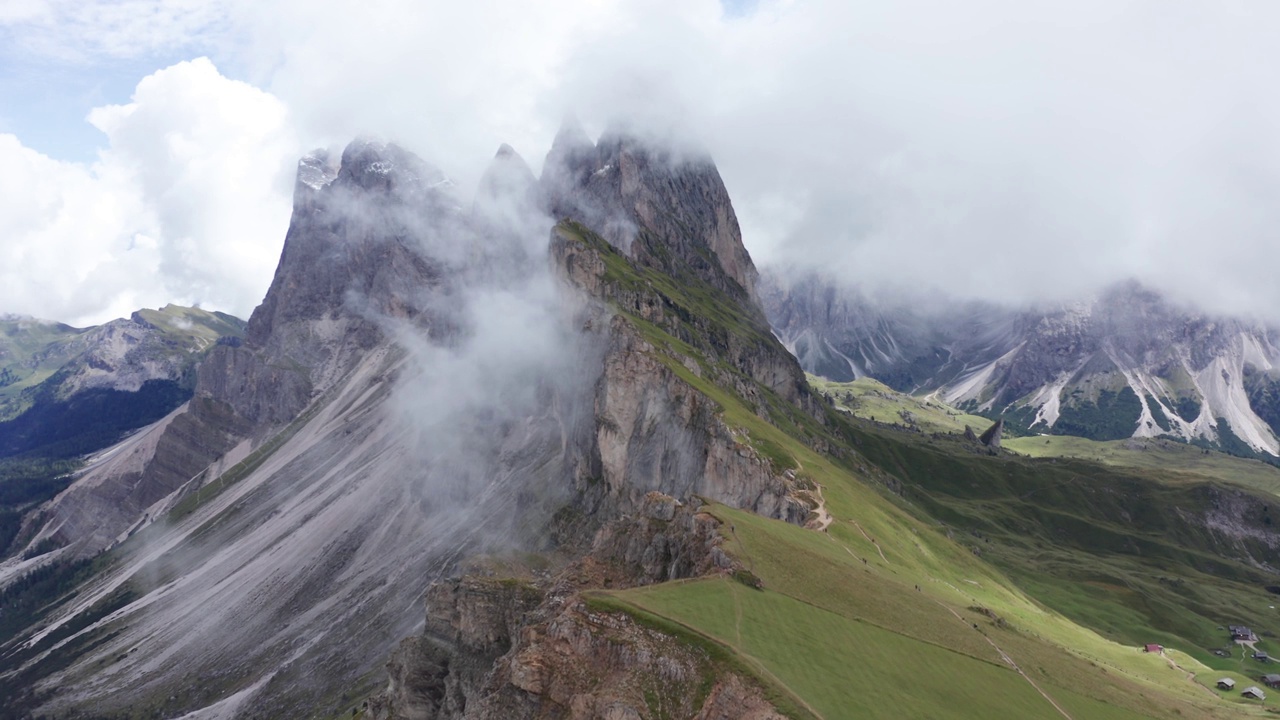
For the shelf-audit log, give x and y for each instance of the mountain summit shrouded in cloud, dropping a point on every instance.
(1000, 151)
(511, 436)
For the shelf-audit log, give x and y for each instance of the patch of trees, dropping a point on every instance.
(1113, 417)
(1264, 396)
(88, 421)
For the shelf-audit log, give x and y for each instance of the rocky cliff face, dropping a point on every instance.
(1125, 363)
(658, 447)
(352, 261)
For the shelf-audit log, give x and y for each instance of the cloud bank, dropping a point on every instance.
(998, 150)
(188, 203)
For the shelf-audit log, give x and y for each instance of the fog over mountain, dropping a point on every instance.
(999, 151)
(509, 439)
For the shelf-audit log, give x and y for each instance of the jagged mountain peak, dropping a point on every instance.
(316, 170)
(372, 165)
(509, 203)
(507, 172)
(571, 136)
(335, 251)
(659, 204)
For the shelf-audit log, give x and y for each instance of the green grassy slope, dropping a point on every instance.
(1121, 551)
(1172, 460)
(894, 612)
(871, 399)
(30, 352)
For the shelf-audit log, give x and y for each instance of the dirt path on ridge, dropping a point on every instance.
(871, 540)
(1191, 677)
(824, 519)
(1005, 656)
(999, 650)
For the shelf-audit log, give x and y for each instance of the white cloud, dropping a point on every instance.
(999, 149)
(452, 81)
(189, 202)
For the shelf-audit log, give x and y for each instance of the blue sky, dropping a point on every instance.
(46, 102)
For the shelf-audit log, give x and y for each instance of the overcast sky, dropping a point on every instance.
(1003, 150)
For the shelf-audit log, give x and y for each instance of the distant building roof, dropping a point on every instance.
(1272, 679)
(1227, 683)
(1254, 691)
(1152, 647)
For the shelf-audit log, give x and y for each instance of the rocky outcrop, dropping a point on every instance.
(991, 438)
(581, 664)
(510, 649)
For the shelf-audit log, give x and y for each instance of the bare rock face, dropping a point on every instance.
(353, 256)
(664, 539)
(654, 432)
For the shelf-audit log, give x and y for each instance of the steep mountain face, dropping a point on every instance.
(420, 384)
(1126, 363)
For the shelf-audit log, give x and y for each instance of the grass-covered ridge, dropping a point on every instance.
(941, 587)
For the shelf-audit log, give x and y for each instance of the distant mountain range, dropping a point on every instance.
(51, 369)
(1127, 362)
